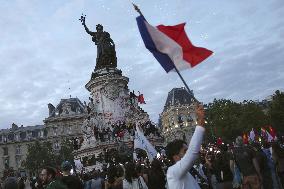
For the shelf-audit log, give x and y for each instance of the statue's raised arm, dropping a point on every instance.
(83, 21)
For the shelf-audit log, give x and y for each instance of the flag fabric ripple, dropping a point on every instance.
(171, 46)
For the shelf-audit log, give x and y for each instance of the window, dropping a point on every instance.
(17, 137)
(45, 132)
(180, 119)
(11, 136)
(18, 150)
(23, 135)
(55, 131)
(6, 163)
(41, 133)
(69, 130)
(56, 145)
(18, 161)
(34, 133)
(5, 150)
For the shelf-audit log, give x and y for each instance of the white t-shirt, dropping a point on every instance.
(178, 176)
(136, 184)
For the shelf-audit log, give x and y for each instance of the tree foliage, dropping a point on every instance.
(276, 111)
(39, 154)
(65, 152)
(228, 119)
(42, 154)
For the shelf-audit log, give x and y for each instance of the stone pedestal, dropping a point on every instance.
(109, 92)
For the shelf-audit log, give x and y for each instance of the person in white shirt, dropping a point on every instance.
(183, 157)
(132, 180)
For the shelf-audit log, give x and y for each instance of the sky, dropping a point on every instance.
(46, 55)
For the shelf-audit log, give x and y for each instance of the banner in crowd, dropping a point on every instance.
(78, 165)
(141, 142)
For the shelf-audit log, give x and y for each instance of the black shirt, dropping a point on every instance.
(243, 157)
(72, 182)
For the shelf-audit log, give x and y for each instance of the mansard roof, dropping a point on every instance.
(177, 97)
(21, 129)
(75, 103)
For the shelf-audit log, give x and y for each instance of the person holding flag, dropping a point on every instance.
(183, 157)
(173, 50)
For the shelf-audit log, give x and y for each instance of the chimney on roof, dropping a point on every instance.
(14, 126)
(51, 108)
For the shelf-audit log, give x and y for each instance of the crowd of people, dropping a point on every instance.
(195, 165)
(118, 131)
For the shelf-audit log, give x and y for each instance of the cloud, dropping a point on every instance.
(44, 51)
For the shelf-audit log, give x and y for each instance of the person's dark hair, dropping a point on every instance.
(156, 176)
(21, 183)
(130, 172)
(10, 183)
(50, 171)
(119, 171)
(156, 165)
(66, 166)
(111, 173)
(139, 168)
(223, 148)
(174, 147)
(278, 150)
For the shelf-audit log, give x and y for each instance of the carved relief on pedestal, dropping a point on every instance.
(111, 91)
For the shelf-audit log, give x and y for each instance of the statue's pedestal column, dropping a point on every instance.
(109, 91)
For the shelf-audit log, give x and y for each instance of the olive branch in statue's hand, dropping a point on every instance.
(82, 19)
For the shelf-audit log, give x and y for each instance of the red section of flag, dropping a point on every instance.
(263, 133)
(192, 54)
(272, 132)
(245, 138)
(219, 141)
(141, 99)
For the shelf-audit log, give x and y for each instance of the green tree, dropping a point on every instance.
(65, 152)
(276, 111)
(228, 119)
(222, 118)
(252, 116)
(39, 154)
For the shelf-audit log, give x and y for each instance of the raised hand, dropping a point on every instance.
(200, 115)
(82, 19)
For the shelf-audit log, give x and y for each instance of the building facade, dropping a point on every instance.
(64, 121)
(178, 119)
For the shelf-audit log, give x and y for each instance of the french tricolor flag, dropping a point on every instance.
(171, 46)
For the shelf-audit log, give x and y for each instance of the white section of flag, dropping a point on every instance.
(78, 165)
(269, 137)
(140, 141)
(166, 45)
(252, 135)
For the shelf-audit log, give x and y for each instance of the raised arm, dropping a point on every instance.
(183, 166)
(83, 20)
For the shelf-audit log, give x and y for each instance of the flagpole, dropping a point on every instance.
(185, 84)
(137, 9)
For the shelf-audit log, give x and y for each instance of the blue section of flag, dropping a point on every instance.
(162, 58)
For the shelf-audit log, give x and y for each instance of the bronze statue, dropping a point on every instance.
(106, 55)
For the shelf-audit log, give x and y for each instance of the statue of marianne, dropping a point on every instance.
(106, 55)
